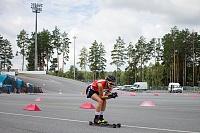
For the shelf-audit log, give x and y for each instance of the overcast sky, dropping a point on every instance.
(101, 20)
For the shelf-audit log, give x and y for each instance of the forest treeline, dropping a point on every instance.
(175, 57)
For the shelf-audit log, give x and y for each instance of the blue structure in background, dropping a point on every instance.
(19, 84)
(3, 77)
(10, 84)
(5, 82)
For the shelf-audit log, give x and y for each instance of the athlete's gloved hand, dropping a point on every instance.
(113, 95)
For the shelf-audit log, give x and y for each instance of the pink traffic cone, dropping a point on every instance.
(32, 107)
(87, 106)
(38, 99)
(147, 103)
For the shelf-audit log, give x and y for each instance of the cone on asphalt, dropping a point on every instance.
(32, 107)
(38, 99)
(87, 106)
(147, 103)
(155, 94)
(60, 92)
(192, 96)
(132, 94)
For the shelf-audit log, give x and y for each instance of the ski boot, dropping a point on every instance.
(102, 119)
(97, 120)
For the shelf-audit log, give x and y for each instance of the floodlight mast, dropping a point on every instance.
(36, 8)
(74, 59)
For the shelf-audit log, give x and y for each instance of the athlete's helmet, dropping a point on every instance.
(111, 78)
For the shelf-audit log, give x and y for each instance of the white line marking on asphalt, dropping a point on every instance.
(169, 130)
(61, 119)
(43, 117)
(55, 81)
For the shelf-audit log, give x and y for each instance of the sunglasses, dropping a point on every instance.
(110, 83)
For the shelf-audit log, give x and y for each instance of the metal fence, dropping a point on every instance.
(194, 89)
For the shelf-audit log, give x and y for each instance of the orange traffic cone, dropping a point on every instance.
(87, 106)
(32, 107)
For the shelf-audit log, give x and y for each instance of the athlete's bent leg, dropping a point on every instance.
(103, 108)
(102, 112)
(96, 98)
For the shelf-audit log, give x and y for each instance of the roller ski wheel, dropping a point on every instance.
(114, 125)
(90, 123)
(105, 125)
(118, 125)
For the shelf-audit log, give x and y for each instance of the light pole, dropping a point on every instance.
(193, 54)
(36, 8)
(74, 58)
(174, 69)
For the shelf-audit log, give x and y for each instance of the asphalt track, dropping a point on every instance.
(60, 113)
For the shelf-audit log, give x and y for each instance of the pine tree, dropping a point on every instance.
(83, 57)
(56, 41)
(31, 53)
(131, 69)
(118, 55)
(54, 64)
(102, 61)
(96, 59)
(1, 43)
(22, 43)
(143, 53)
(6, 54)
(65, 49)
(45, 50)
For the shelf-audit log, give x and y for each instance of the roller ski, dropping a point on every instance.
(118, 125)
(103, 123)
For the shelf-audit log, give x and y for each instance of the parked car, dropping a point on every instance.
(140, 86)
(175, 88)
(118, 88)
(127, 87)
